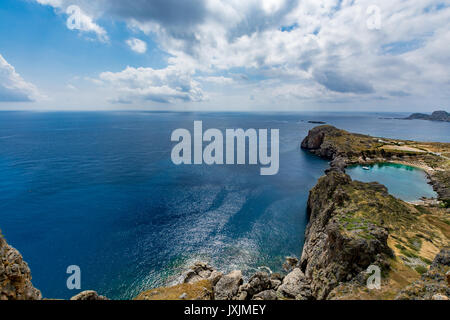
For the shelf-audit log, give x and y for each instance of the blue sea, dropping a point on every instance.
(99, 190)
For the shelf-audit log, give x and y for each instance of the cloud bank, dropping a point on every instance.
(12, 87)
(146, 84)
(300, 51)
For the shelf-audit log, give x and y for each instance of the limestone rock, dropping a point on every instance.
(290, 263)
(295, 286)
(199, 271)
(339, 246)
(228, 286)
(433, 284)
(260, 281)
(266, 295)
(89, 295)
(15, 276)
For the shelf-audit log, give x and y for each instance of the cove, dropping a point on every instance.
(404, 182)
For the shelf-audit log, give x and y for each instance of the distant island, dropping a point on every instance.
(316, 122)
(435, 116)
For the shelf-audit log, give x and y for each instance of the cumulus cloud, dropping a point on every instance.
(12, 87)
(137, 45)
(309, 49)
(167, 85)
(216, 79)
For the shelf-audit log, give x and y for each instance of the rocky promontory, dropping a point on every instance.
(15, 276)
(345, 148)
(435, 116)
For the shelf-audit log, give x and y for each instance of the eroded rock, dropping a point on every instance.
(88, 295)
(15, 276)
(227, 287)
(295, 286)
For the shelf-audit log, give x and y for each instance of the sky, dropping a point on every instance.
(237, 55)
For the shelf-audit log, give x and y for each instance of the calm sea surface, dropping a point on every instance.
(99, 190)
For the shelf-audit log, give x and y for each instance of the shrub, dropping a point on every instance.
(421, 269)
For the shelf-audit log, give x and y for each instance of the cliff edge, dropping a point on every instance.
(15, 276)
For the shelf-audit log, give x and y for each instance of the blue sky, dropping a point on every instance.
(224, 55)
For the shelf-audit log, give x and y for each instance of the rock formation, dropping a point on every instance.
(15, 276)
(435, 116)
(434, 284)
(88, 295)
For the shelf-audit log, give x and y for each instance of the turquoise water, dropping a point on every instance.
(404, 182)
(99, 190)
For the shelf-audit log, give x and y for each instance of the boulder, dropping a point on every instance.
(295, 286)
(260, 281)
(266, 295)
(198, 272)
(88, 295)
(227, 287)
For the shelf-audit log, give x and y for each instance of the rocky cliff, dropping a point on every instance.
(15, 276)
(345, 235)
(354, 224)
(345, 148)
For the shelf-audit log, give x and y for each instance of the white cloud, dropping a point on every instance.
(216, 80)
(12, 87)
(53, 3)
(325, 44)
(167, 85)
(137, 45)
(307, 50)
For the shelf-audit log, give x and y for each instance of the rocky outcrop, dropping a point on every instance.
(344, 148)
(434, 284)
(15, 276)
(435, 116)
(203, 282)
(295, 286)
(88, 295)
(259, 282)
(227, 287)
(351, 222)
(340, 242)
(317, 143)
(202, 271)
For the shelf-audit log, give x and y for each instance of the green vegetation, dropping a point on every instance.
(421, 269)
(415, 243)
(409, 254)
(446, 203)
(423, 210)
(427, 261)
